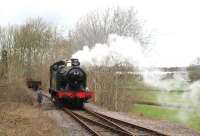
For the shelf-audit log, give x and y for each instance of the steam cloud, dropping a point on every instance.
(125, 49)
(117, 49)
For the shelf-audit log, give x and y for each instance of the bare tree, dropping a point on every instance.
(31, 48)
(33, 39)
(96, 27)
(6, 46)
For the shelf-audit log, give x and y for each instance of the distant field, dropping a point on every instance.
(149, 94)
(171, 98)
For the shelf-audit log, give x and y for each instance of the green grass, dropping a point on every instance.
(155, 111)
(191, 119)
(164, 96)
(143, 93)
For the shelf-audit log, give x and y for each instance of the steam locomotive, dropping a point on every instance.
(68, 86)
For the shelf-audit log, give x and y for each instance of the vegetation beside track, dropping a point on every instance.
(19, 114)
(19, 119)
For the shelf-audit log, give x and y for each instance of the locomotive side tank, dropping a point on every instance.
(68, 85)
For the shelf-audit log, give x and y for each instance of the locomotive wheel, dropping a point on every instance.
(57, 102)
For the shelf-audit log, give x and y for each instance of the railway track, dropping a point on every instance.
(101, 125)
(94, 125)
(132, 128)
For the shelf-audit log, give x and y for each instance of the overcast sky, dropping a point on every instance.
(176, 23)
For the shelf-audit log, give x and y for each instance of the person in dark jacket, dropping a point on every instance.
(39, 96)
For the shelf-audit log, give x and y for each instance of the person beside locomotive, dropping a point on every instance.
(39, 96)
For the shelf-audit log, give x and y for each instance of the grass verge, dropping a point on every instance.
(186, 117)
(17, 119)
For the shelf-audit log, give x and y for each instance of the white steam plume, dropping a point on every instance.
(120, 49)
(178, 81)
(117, 49)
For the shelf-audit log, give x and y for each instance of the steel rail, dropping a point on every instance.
(124, 133)
(109, 121)
(81, 122)
(87, 127)
(133, 125)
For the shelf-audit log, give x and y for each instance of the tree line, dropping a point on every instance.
(27, 50)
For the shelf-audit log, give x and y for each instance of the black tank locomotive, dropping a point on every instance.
(68, 85)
